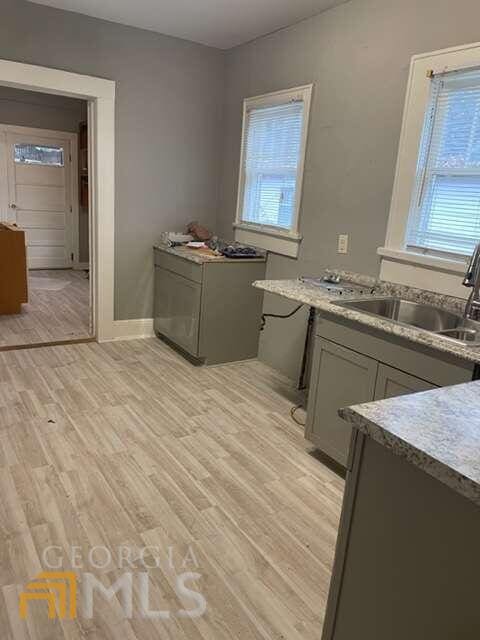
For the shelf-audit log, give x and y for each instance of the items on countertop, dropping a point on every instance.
(201, 241)
(334, 284)
(196, 245)
(230, 251)
(199, 232)
(173, 238)
(206, 254)
(236, 252)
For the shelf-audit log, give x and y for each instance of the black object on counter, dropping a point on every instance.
(239, 252)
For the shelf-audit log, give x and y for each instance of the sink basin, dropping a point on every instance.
(412, 313)
(446, 324)
(461, 334)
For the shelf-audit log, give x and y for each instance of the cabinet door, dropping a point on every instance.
(392, 382)
(340, 377)
(177, 309)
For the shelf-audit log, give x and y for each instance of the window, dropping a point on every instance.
(25, 153)
(271, 171)
(434, 220)
(445, 210)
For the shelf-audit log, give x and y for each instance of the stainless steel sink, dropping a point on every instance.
(450, 326)
(461, 335)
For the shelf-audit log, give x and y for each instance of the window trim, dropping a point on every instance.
(416, 103)
(272, 238)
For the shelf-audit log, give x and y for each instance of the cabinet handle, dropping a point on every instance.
(13, 206)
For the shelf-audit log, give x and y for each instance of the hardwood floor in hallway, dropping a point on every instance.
(125, 445)
(57, 309)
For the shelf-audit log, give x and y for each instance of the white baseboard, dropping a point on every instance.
(46, 263)
(81, 266)
(131, 329)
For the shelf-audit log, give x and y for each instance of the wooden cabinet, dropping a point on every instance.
(13, 267)
(210, 310)
(340, 377)
(352, 366)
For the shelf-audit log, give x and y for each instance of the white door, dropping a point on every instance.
(39, 197)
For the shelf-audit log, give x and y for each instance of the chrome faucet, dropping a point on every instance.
(472, 280)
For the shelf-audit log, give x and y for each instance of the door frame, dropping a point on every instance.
(71, 228)
(100, 94)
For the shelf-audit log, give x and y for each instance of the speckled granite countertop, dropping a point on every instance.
(194, 255)
(437, 431)
(325, 301)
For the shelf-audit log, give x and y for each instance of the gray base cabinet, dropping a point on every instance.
(407, 562)
(210, 310)
(340, 377)
(352, 366)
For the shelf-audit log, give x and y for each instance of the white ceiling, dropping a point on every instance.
(217, 23)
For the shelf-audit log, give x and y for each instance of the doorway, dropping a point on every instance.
(100, 96)
(44, 193)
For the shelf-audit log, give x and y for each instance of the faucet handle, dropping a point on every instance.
(468, 279)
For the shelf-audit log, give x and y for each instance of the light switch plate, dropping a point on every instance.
(343, 243)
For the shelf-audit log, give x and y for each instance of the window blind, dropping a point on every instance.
(445, 211)
(272, 147)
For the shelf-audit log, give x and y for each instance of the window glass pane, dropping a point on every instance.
(270, 199)
(458, 143)
(272, 158)
(445, 210)
(453, 221)
(38, 154)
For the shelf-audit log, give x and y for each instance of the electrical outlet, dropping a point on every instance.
(342, 243)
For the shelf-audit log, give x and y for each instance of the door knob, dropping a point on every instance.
(13, 206)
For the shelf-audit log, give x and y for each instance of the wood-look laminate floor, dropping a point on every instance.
(50, 315)
(127, 444)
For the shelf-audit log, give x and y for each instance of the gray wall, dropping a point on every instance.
(39, 110)
(358, 56)
(168, 126)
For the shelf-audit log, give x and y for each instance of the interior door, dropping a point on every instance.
(39, 197)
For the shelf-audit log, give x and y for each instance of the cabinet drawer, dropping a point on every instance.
(182, 267)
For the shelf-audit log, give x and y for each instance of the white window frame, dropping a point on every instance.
(398, 263)
(271, 238)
